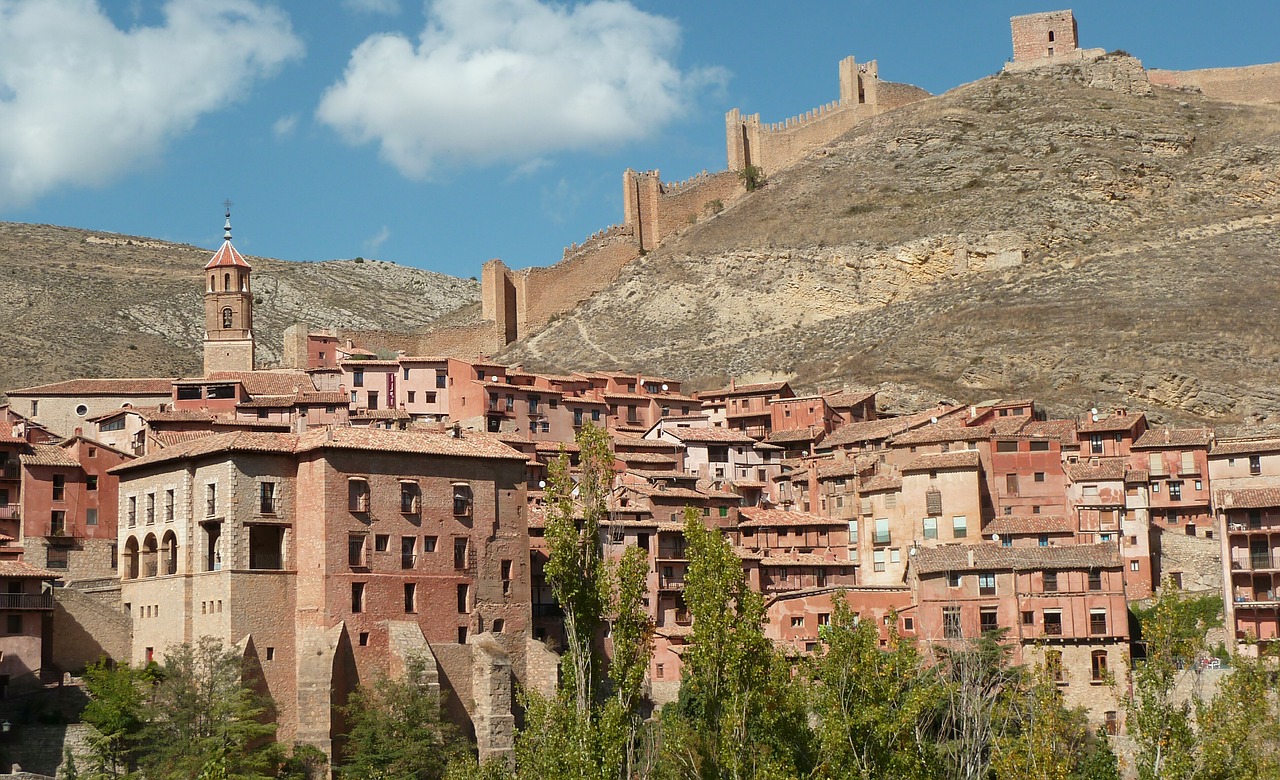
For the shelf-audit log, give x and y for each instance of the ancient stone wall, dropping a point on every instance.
(1194, 560)
(543, 293)
(1250, 84)
(463, 341)
(1036, 36)
(87, 627)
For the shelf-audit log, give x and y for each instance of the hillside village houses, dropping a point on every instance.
(391, 505)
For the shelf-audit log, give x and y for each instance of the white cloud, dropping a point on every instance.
(285, 125)
(375, 242)
(511, 81)
(82, 101)
(388, 7)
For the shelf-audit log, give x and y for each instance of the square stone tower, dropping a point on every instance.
(1039, 36)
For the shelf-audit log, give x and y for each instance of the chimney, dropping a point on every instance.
(971, 557)
(457, 431)
(732, 385)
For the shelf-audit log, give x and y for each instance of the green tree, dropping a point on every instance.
(204, 720)
(1099, 760)
(744, 716)
(589, 729)
(979, 681)
(1173, 631)
(117, 711)
(1046, 740)
(396, 732)
(875, 707)
(1239, 730)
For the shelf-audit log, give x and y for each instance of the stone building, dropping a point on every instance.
(228, 310)
(330, 556)
(1044, 35)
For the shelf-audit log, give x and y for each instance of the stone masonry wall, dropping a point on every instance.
(1249, 84)
(543, 293)
(1196, 559)
(86, 628)
(1036, 36)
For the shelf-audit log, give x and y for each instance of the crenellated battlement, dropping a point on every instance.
(597, 238)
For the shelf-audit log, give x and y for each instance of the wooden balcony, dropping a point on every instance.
(12, 601)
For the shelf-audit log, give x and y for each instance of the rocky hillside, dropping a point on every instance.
(79, 303)
(1071, 234)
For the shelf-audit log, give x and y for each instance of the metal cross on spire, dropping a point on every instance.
(226, 235)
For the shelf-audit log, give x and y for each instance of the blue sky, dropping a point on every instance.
(340, 129)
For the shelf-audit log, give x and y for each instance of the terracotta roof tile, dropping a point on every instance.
(101, 387)
(845, 399)
(1247, 498)
(755, 517)
(716, 435)
(1062, 430)
(1113, 423)
(169, 438)
(1226, 447)
(1103, 470)
(269, 402)
(938, 434)
(932, 560)
(1013, 525)
(874, 430)
(48, 455)
(227, 257)
(963, 459)
(804, 559)
(265, 382)
(315, 397)
(811, 433)
(645, 457)
(880, 482)
(1174, 437)
(21, 570)
(763, 387)
(380, 414)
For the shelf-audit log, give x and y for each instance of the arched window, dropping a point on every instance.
(212, 282)
(170, 559)
(226, 282)
(149, 556)
(226, 317)
(131, 559)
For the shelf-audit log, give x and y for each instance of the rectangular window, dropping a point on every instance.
(986, 583)
(409, 498)
(1039, 446)
(151, 508)
(1028, 618)
(1053, 622)
(410, 597)
(460, 552)
(1038, 476)
(91, 482)
(1133, 565)
(381, 542)
(440, 379)
(91, 517)
(951, 628)
(1255, 464)
(878, 560)
(408, 551)
(1051, 582)
(59, 487)
(357, 495)
(267, 499)
(132, 511)
(989, 619)
(1006, 446)
(1095, 444)
(463, 602)
(1011, 484)
(1098, 666)
(853, 532)
(357, 597)
(954, 580)
(1095, 580)
(355, 550)
(210, 500)
(13, 624)
(58, 522)
(1098, 622)
(882, 530)
(959, 527)
(1175, 491)
(357, 378)
(428, 544)
(168, 506)
(462, 500)
(930, 527)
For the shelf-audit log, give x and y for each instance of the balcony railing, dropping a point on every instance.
(1053, 629)
(10, 512)
(26, 601)
(269, 505)
(10, 471)
(671, 583)
(1254, 563)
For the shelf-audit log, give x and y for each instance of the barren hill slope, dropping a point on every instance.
(85, 304)
(1057, 234)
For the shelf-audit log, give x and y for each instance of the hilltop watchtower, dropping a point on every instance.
(228, 309)
(1040, 36)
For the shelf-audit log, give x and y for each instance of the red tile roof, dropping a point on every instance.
(880, 482)
(811, 433)
(1013, 525)
(973, 557)
(844, 399)
(1113, 424)
(1101, 470)
(716, 435)
(755, 517)
(1174, 437)
(963, 459)
(21, 570)
(1062, 430)
(101, 387)
(48, 455)
(874, 430)
(226, 257)
(1247, 498)
(939, 434)
(757, 389)
(1227, 447)
(804, 559)
(264, 382)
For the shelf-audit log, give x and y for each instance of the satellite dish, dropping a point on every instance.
(912, 552)
(664, 387)
(933, 420)
(493, 379)
(995, 538)
(1094, 411)
(542, 483)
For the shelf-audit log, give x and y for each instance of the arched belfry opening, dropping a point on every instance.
(228, 311)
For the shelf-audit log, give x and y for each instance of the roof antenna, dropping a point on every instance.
(226, 229)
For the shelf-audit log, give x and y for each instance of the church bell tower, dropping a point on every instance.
(228, 309)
